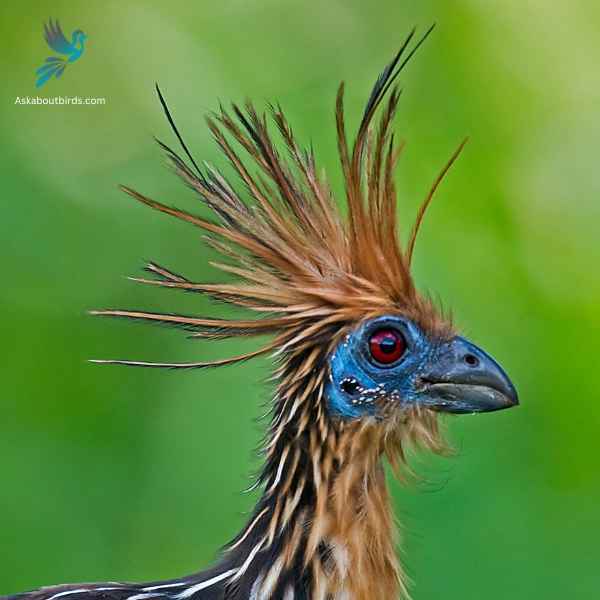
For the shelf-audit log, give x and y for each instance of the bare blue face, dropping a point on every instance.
(390, 361)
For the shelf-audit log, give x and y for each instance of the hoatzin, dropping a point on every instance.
(364, 363)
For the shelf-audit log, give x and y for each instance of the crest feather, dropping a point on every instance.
(297, 261)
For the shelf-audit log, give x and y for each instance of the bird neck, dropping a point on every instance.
(324, 524)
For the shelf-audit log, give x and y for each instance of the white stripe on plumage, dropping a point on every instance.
(164, 585)
(289, 593)
(249, 528)
(282, 460)
(250, 558)
(204, 584)
(82, 591)
(256, 588)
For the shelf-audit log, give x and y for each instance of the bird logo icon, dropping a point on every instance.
(54, 66)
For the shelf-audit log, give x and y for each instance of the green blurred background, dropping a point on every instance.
(110, 473)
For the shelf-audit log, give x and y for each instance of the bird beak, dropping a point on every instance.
(462, 378)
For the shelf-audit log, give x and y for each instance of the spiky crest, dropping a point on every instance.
(299, 264)
(308, 274)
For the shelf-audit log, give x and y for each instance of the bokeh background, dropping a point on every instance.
(109, 473)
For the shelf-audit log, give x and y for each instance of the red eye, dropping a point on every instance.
(387, 345)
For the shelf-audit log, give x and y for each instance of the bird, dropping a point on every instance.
(364, 364)
(56, 40)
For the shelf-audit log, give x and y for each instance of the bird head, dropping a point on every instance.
(79, 36)
(390, 363)
(354, 340)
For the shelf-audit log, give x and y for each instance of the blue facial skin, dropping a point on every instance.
(351, 362)
(450, 375)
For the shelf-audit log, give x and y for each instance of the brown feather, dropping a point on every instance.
(307, 275)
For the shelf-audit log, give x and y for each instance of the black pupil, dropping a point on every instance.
(388, 344)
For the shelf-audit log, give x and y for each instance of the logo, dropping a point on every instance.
(54, 66)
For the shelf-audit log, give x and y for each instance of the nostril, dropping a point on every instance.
(471, 360)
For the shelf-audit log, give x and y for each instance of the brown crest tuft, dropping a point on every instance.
(299, 265)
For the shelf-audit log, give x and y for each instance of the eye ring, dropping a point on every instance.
(387, 345)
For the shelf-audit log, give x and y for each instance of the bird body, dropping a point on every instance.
(71, 51)
(364, 363)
